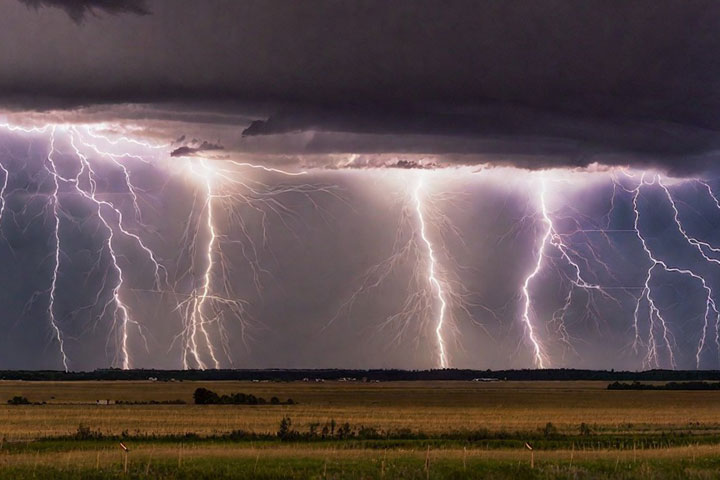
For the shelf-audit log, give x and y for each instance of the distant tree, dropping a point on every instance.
(275, 401)
(203, 396)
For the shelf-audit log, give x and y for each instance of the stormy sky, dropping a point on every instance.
(565, 82)
(469, 100)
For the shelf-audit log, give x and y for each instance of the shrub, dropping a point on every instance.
(284, 430)
(203, 396)
(550, 429)
(83, 432)
(312, 427)
(344, 431)
(18, 400)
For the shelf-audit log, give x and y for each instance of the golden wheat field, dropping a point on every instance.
(420, 406)
(443, 429)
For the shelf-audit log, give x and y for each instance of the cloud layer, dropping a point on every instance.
(78, 9)
(566, 82)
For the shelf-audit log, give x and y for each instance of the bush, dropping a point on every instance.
(284, 431)
(312, 432)
(18, 400)
(203, 396)
(550, 429)
(585, 429)
(84, 433)
(344, 431)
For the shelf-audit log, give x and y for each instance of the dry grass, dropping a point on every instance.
(427, 406)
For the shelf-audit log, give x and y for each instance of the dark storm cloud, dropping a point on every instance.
(498, 130)
(191, 151)
(554, 78)
(411, 164)
(78, 9)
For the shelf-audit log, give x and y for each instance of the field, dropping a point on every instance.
(394, 430)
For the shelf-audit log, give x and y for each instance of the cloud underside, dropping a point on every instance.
(495, 135)
(78, 10)
(493, 129)
(195, 149)
(545, 83)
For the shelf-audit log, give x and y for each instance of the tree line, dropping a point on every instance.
(667, 386)
(383, 375)
(203, 396)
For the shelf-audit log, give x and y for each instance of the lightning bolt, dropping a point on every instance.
(435, 297)
(432, 278)
(3, 189)
(551, 238)
(51, 208)
(652, 357)
(86, 174)
(197, 323)
(659, 338)
(224, 188)
(710, 307)
(538, 350)
(659, 334)
(55, 201)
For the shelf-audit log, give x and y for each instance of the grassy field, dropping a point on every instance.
(423, 430)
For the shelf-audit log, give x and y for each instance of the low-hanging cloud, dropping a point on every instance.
(79, 9)
(195, 149)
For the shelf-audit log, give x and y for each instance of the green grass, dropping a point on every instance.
(376, 468)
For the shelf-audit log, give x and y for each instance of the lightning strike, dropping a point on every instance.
(551, 238)
(656, 320)
(55, 201)
(652, 356)
(538, 351)
(710, 306)
(197, 319)
(3, 189)
(434, 296)
(121, 318)
(225, 189)
(432, 278)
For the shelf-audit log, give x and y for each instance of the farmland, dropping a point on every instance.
(394, 429)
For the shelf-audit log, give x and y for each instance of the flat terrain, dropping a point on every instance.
(421, 429)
